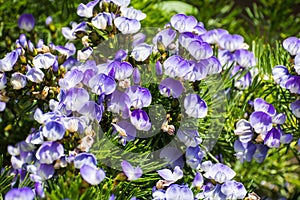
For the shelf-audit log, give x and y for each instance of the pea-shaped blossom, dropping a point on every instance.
(261, 105)
(272, 138)
(54, 130)
(244, 151)
(35, 75)
(86, 10)
(126, 25)
(231, 42)
(24, 193)
(198, 180)
(10, 59)
(140, 119)
(3, 80)
(233, 190)
(42, 172)
(260, 153)
(139, 97)
(242, 80)
(165, 37)
(183, 23)
(195, 106)
(119, 70)
(194, 156)
(48, 152)
(261, 122)
(179, 192)
(198, 71)
(213, 36)
(169, 176)
(295, 107)
(132, 173)
(280, 75)
(82, 159)
(18, 81)
(71, 78)
(176, 66)
(92, 175)
(102, 84)
(92, 110)
(75, 98)
(44, 61)
(102, 20)
(292, 45)
(119, 103)
(220, 173)
(70, 34)
(293, 84)
(170, 87)
(244, 131)
(141, 52)
(244, 58)
(212, 65)
(132, 13)
(26, 22)
(200, 50)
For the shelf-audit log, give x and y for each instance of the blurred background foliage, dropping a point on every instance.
(263, 24)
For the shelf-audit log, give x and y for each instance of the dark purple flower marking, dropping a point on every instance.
(140, 120)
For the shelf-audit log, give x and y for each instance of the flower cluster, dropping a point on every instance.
(260, 133)
(83, 90)
(290, 79)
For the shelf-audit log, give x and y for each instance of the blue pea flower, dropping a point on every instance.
(126, 25)
(241, 82)
(119, 70)
(3, 80)
(183, 23)
(213, 36)
(140, 97)
(231, 42)
(295, 107)
(262, 105)
(70, 34)
(169, 176)
(244, 58)
(35, 75)
(91, 174)
(244, 151)
(26, 22)
(54, 130)
(141, 52)
(18, 80)
(190, 138)
(139, 118)
(119, 103)
(272, 138)
(48, 152)
(292, 45)
(132, 13)
(179, 192)
(86, 10)
(220, 173)
(244, 131)
(293, 84)
(132, 173)
(75, 98)
(195, 106)
(170, 87)
(102, 20)
(10, 59)
(198, 180)
(166, 37)
(261, 122)
(85, 159)
(260, 153)
(43, 172)
(102, 84)
(71, 79)
(280, 75)
(176, 66)
(24, 193)
(200, 50)
(194, 156)
(44, 61)
(233, 190)
(92, 110)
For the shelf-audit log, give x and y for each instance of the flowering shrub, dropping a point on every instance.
(125, 112)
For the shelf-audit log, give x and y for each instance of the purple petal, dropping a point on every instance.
(183, 23)
(127, 26)
(54, 130)
(122, 3)
(75, 98)
(166, 37)
(140, 97)
(245, 58)
(195, 106)
(131, 172)
(44, 61)
(220, 173)
(292, 45)
(279, 118)
(233, 190)
(102, 20)
(86, 10)
(170, 87)
(35, 75)
(91, 175)
(85, 159)
(295, 107)
(141, 52)
(26, 22)
(262, 105)
(212, 64)
(71, 79)
(176, 66)
(261, 153)
(92, 110)
(102, 84)
(293, 84)
(24, 193)
(119, 103)
(198, 180)
(10, 59)
(280, 75)
(132, 13)
(261, 122)
(231, 42)
(18, 80)
(213, 36)
(177, 192)
(200, 50)
(140, 120)
(272, 138)
(49, 152)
